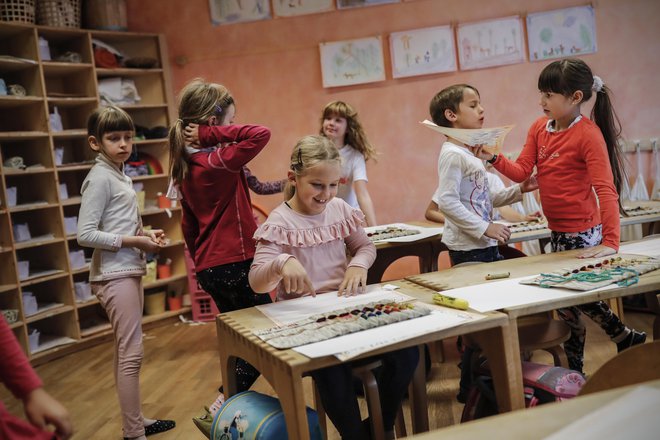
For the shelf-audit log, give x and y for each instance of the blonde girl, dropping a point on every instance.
(109, 222)
(340, 124)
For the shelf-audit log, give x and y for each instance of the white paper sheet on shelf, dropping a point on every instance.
(424, 232)
(351, 345)
(632, 416)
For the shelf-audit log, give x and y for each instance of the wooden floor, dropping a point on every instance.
(180, 375)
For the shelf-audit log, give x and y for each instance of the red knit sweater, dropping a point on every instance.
(570, 163)
(218, 223)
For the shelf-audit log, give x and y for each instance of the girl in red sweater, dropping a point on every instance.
(208, 154)
(574, 156)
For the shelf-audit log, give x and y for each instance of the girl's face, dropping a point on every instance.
(557, 106)
(334, 128)
(470, 113)
(315, 188)
(115, 145)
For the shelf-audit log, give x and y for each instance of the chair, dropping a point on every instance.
(637, 364)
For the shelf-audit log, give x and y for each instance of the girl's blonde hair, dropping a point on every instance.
(355, 135)
(198, 102)
(309, 152)
(106, 119)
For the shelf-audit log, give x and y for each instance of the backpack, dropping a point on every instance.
(542, 384)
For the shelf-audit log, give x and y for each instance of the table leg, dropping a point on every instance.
(501, 347)
(418, 399)
(290, 392)
(227, 371)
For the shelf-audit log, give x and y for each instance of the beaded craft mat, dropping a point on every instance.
(598, 272)
(390, 232)
(340, 322)
(526, 226)
(642, 210)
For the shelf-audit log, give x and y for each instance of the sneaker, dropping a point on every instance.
(204, 422)
(633, 338)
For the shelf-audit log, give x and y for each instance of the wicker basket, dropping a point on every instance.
(59, 13)
(17, 10)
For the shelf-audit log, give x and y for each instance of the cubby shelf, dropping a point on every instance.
(40, 189)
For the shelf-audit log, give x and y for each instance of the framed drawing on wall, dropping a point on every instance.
(343, 4)
(236, 11)
(561, 33)
(490, 43)
(290, 8)
(423, 51)
(349, 62)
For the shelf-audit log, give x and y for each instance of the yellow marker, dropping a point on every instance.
(450, 301)
(497, 276)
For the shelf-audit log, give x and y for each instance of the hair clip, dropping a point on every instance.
(218, 108)
(300, 162)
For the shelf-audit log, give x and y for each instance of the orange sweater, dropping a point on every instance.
(569, 164)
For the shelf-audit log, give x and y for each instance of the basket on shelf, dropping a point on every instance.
(17, 10)
(59, 13)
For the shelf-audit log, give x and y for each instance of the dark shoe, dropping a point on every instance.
(159, 426)
(633, 338)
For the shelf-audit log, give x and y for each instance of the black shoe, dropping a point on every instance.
(633, 338)
(159, 426)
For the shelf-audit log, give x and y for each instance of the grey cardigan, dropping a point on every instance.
(108, 211)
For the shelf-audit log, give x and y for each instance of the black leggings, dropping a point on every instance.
(229, 287)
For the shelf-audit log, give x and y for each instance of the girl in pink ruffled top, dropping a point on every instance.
(302, 250)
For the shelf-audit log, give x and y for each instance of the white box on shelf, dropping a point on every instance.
(83, 291)
(64, 191)
(30, 306)
(33, 337)
(22, 232)
(77, 259)
(71, 225)
(23, 269)
(12, 196)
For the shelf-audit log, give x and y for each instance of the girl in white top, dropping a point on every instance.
(302, 250)
(109, 222)
(340, 124)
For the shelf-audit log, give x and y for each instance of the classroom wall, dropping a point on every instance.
(272, 68)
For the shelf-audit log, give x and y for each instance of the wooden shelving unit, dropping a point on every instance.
(45, 196)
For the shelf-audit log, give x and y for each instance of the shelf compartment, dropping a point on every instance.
(171, 225)
(18, 41)
(23, 115)
(34, 152)
(46, 262)
(73, 181)
(34, 190)
(65, 80)
(149, 116)
(45, 227)
(5, 234)
(9, 300)
(93, 319)
(75, 113)
(61, 41)
(131, 44)
(55, 331)
(24, 74)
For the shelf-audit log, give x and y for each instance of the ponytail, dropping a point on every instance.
(178, 156)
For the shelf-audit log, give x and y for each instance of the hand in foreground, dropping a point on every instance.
(191, 133)
(498, 232)
(295, 278)
(157, 236)
(355, 280)
(142, 242)
(478, 151)
(530, 184)
(597, 251)
(534, 217)
(42, 409)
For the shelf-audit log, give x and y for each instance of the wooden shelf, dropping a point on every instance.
(17, 101)
(126, 71)
(48, 313)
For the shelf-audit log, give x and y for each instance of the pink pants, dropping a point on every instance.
(123, 300)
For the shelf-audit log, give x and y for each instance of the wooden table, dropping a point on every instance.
(284, 369)
(535, 423)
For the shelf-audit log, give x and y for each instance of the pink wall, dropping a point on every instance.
(272, 68)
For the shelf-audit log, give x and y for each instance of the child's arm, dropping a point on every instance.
(263, 188)
(433, 213)
(244, 143)
(364, 255)
(271, 266)
(365, 202)
(95, 195)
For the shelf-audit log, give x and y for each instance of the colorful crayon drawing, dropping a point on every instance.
(423, 51)
(289, 8)
(490, 43)
(350, 62)
(561, 33)
(343, 4)
(235, 11)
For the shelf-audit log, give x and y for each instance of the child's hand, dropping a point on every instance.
(498, 232)
(478, 151)
(157, 236)
(295, 278)
(191, 133)
(147, 244)
(534, 217)
(597, 251)
(529, 185)
(42, 409)
(354, 281)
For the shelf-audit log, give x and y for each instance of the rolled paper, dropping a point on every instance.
(497, 276)
(450, 301)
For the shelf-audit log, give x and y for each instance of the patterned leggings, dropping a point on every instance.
(228, 286)
(599, 311)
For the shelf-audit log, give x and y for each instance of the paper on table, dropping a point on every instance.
(284, 312)
(351, 345)
(650, 248)
(633, 415)
(494, 137)
(510, 293)
(424, 232)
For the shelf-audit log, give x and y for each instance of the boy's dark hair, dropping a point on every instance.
(448, 98)
(106, 119)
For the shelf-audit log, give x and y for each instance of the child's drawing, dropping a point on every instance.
(490, 43)
(235, 11)
(561, 33)
(352, 62)
(422, 51)
(342, 4)
(289, 8)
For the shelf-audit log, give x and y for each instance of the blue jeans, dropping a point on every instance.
(485, 255)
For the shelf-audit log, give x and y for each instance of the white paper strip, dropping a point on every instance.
(650, 248)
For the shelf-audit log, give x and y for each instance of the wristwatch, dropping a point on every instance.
(493, 159)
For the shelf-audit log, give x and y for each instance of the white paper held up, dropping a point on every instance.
(493, 137)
